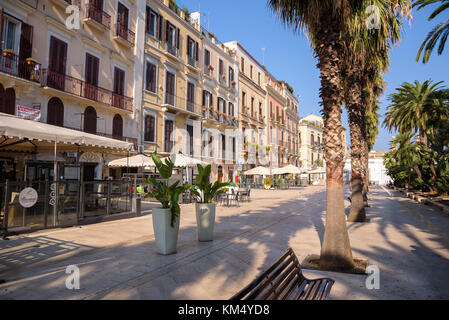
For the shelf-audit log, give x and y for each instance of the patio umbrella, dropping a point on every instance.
(181, 161)
(290, 169)
(258, 171)
(137, 161)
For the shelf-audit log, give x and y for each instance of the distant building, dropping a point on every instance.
(377, 171)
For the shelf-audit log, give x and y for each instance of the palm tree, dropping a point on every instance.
(440, 32)
(366, 57)
(324, 21)
(415, 108)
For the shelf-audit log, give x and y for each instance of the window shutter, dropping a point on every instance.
(167, 30)
(26, 41)
(196, 51)
(147, 21)
(159, 28)
(188, 46)
(1, 24)
(177, 38)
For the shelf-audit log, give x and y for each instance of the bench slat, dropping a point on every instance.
(285, 280)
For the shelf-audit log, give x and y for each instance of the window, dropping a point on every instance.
(150, 124)
(170, 88)
(57, 64)
(244, 98)
(55, 112)
(252, 106)
(172, 38)
(312, 139)
(90, 120)
(259, 78)
(260, 109)
(150, 84)
(117, 126)
(190, 96)
(221, 105)
(271, 109)
(207, 98)
(243, 65)
(11, 34)
(192, 51)
(7, 100)
(152, 22)
(223, 146)
(231, 109)
(91, 71)
(122, 21)
(221, 66)
(251, 72)
(119, 88)
(207, 57)
(231, 75)
(168, 143)
(190, 140)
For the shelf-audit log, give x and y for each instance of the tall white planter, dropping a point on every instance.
(166, 236)
(205, 218)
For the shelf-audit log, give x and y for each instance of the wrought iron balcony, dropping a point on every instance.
(222, 79)
(85, 90)
(13, 65)
(122, 32)
(171, 49)
(98, 15)
(192, 62)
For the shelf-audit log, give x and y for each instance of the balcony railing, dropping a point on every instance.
(13, 65)
(83, 89)
(191, 61)
(222, 78)
(180, 103)
(94, 13)
(124, 33)
(208, 71)
(171, 49)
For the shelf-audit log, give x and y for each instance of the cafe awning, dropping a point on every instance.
(17, 131)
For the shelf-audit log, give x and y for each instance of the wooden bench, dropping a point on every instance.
(284, 281)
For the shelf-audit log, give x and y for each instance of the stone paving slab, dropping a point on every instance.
(117, 260)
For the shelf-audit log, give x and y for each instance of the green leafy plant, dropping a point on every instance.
(268, 181)
(167, 195)
(203, 189)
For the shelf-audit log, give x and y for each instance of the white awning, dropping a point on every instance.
(137, 161)
(258, 171)
(14, 127)
(290, 169)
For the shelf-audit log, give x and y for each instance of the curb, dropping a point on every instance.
(440, 207)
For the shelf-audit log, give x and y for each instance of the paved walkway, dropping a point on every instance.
(117, 260)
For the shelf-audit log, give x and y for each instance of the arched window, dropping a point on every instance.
(117, 126)
(9, 101)
(55, 112)
(312, 139)
(90, 120)
(149, 128)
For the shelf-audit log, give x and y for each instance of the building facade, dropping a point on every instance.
(252, 108)
(311, 137)
(73, 67)
(291, 155)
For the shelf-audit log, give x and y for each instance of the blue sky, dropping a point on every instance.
(289, 57)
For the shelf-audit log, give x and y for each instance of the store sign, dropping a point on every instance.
(28, 197)
(29, 113)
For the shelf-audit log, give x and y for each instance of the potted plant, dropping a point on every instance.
(165, 218)
(233, 83)
(205, 208)
(267, 182)
(210, 67)
(32, 62)
(8, 53)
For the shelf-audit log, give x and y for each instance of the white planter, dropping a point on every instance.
(205, 219)
(166, 236)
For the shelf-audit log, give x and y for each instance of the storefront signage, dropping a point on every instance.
(28, 197)
(29, 113)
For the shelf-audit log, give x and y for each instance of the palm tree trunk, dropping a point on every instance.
(336, 249)
(365, 162)
(356, 112)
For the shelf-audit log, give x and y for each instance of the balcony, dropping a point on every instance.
(97, 17)
(14, 66)
(170, 48)
(180, 104)
(209, 70)
(222, 79)
(192, 62)
(85, 90)
(124, 36)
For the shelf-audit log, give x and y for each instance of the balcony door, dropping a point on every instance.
(96, 10)
(117, 127)
(170, 88)
(57, 64)
(90, 120)
(122, 21)
(119, 88)
(168, 141)
(92, 69)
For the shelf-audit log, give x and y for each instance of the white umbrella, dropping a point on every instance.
(317, 171)
(290, 169)
(258, 171)
(139, 160)
(180, 160)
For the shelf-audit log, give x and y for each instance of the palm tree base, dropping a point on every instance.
(313, 262)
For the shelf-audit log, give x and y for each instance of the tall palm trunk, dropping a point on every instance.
(356, 112)
(365, 162)
(335, 250)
